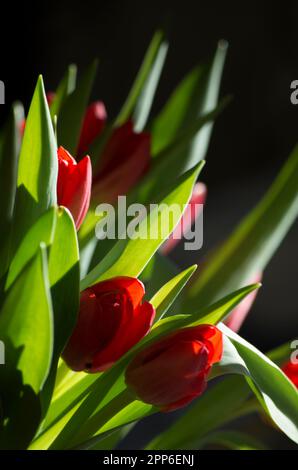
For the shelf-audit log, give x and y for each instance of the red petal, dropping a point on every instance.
(94, 122)
(291, 371)
(85, 338)
(173, 374)
(74, 185)
(124, 161)
(125, 338)
(132, 286)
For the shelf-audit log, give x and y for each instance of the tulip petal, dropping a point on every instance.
(125, 159)
(93, 124)
(131, 286)
(291, 371)
(84, 340)
(74, 185)
(170, 376)
(126, 337)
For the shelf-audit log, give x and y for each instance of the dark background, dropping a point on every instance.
(251, 140)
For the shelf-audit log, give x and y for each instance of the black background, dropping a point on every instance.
(251, 140)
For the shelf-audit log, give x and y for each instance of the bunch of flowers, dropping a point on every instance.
(98, 334)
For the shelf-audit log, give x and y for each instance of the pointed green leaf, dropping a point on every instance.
(145, 100)
(38, 166)
(166, 295)
(141, 79)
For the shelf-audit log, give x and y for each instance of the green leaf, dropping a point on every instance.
(141, 79)
(9, 155)
(253, 243)
(38, 166)
(219, 404)
(64, 275)
(73, 110)
(65, 88)
(41, 231)
(130, 256)
(26, 328)
(145, 100)
(194, 97)
(166, 295)
(278, 395)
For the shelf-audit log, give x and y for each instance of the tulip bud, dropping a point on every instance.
(191, 213)
(291, 371)
(74, 185)
(238, 315)
(93, 124)
(173, 371)
(124, 161)
(112, 319)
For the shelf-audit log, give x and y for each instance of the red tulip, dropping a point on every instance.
(74, 184)
(172, 372)
(93, 124)
(238, 315)
(124, 161)
(112, 319)
(291, 371)
(191, 213)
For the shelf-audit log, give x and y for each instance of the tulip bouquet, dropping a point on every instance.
(98, 333)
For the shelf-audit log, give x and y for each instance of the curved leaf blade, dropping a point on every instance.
(278, 395)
